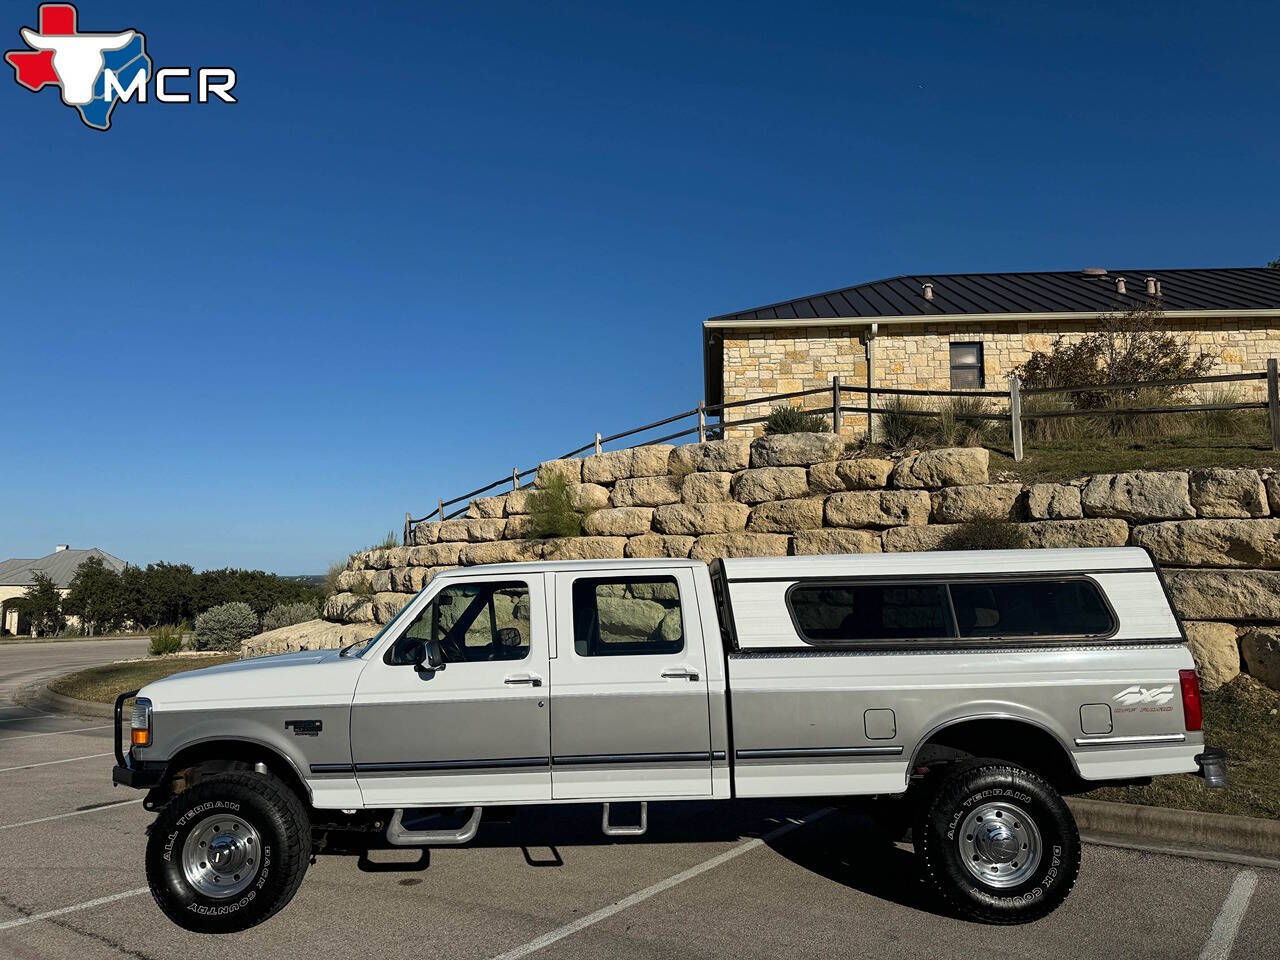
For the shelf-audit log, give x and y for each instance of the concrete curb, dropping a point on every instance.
(39, 695)
(1167, 830)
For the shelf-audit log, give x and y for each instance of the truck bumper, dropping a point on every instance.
(143, 776)
(1212, 766)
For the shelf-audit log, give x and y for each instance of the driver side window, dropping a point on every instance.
(472, 622)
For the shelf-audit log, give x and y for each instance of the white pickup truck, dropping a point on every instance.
(978, 687)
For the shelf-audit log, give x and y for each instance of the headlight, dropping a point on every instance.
(140, 723)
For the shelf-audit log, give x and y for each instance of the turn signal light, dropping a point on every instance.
(141, 738)
(1191, 707)
(140, 723)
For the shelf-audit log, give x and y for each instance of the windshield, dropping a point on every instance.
(361, 647)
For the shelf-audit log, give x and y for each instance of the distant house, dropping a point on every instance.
(970, 330)
(60, 566)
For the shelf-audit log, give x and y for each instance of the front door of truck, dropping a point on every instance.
(476, 731)
(630, 715)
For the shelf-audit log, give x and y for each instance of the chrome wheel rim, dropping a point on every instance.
(999, 844)
(221, 856)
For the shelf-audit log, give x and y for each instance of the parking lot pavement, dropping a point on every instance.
(716, 881)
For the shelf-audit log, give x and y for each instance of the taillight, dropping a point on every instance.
(140, 723)
(1191, 708)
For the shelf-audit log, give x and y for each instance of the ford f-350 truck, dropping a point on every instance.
(976, 688)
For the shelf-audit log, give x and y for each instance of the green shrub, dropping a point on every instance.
(392, 539)
(899, 425)
(551, 510)
(224, 626)
(363, 587)
(787, 419)
(166, 640)
(985, 535)
(960, 423)
(330, 585)
(287, 614)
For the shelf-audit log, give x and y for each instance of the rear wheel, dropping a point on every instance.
(229, 852)
(998, 843)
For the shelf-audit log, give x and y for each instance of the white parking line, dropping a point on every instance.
(1223, 935)
(49, 763)
(605, 913)
(73, 813)
(55, 733)
(36, 917)
(37, 716)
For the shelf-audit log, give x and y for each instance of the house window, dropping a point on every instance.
(966, 366)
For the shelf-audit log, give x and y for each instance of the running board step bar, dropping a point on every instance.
(400, 836)
(625, 830)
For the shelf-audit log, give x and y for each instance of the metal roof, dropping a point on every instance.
(59, 566)
(1059, 291)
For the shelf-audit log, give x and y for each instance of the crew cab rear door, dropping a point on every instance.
(630, 707)
(476, 731)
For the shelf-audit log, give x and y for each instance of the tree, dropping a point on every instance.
(96, 596)
(1274, 264)
(42, 605)
(1132, 347)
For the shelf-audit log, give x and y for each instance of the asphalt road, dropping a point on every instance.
(716, 881)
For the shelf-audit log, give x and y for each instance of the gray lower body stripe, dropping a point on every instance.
(1130, 741)
(817, 753)
(599, 758)
(426, 766)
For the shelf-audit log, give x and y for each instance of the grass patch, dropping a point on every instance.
(104, 684)
(1066, 459)
(1242, 717)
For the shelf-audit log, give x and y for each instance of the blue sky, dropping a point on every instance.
(438, 240)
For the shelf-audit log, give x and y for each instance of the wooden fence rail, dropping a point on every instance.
(1015, 416)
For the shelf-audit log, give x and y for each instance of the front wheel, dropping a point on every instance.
(998, 843)
(228, 853)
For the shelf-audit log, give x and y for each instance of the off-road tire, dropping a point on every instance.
(965, 790)
(284, 829)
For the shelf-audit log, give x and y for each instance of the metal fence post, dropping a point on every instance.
(597, 442)
(702, 422)
(1273, 402)
(835, 405)
(408, 527)
(1015, 415)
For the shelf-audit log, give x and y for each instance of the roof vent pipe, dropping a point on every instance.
(1120, 286)
(1151, 286)
(60, 547)
(928, 291)
(1159, 289)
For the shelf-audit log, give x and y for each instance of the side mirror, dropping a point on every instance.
(430, 658)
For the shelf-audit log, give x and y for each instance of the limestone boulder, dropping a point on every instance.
(378, 559)
(1219, 492)
(570, 470)
(916, 539)
(380, 580)
(706, 487)
(471, 530)
(1273, 492)
(1054, 501)
(348, 608)
(1216, 652)
(488, 507)
(650, 461)
(796, 449)
(311, 635)
(770, 483)
(714, 456)
(697, 519)
(1100, 532)
(786, 516)
(860, 474)
(658, 545)
(518, 501)
(426, 532)
(715, 545)
(878, 508)
(989, 501)
(1241, 595)
(433, 555)
(386, 606)
(645, 492)
(829, 542)
(1143, 495)
(520, 527)
(585, 497)
(618, 522)
(949, 467)
(1260, 649)
(1213, 543)
(505, 551)
(584, 548)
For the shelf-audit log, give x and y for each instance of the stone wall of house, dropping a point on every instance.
(1215, 531)
(780, 360)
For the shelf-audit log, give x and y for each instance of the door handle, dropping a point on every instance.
(672, 673)
(532, 679)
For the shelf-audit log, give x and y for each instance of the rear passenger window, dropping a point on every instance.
(1031, 608)
(626, 616)
(852, 612)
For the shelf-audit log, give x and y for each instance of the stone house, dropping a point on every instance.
(969, 331)
(60, 566)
